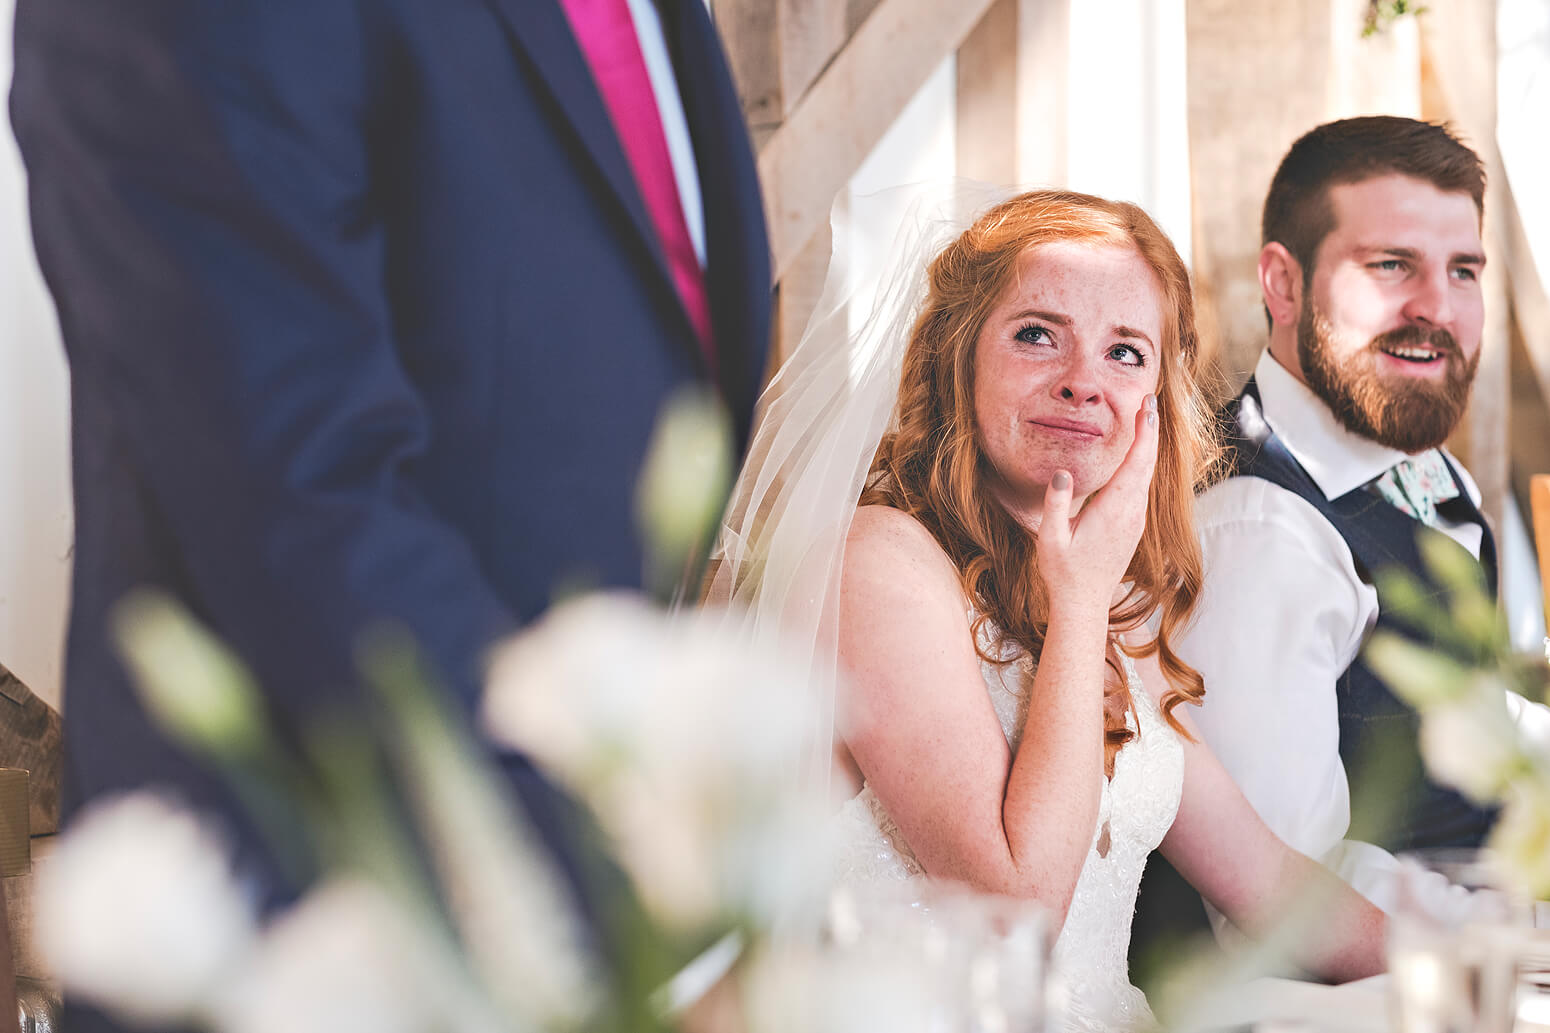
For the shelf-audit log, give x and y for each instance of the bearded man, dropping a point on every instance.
(1370, 270)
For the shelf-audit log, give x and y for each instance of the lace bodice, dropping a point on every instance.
(1093, 990)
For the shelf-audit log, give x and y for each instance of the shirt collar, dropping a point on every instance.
(1337, 460)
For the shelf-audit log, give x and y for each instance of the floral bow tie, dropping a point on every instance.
(1416, 485)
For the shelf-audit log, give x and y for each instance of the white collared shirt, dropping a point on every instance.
(675, 126)
(1281, 616)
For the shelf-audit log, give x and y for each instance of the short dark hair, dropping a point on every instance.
(1298, 214)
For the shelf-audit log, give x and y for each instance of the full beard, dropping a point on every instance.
(1410, 416)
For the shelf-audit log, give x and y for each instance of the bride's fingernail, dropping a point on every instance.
(1151, 403)
(1151, 418)
(1061, 481)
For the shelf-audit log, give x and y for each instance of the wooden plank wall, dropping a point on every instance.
(1459, 39)
(1259, 76)
(822, 80)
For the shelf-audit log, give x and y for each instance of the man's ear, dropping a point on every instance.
(1280, 283)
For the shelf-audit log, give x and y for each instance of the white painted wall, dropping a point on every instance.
(36, 519)
(1127, 109)
(1522, 99)
(1126, 112)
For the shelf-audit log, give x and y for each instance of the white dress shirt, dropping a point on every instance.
(1282, 615)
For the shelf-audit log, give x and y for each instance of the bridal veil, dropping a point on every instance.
(781, 544)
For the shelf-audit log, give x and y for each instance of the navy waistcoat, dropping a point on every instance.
(1378, 731)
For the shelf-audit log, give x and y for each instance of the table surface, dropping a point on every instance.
(1287, 1005)
(1359, 1007)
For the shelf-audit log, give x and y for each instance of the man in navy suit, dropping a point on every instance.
(370, 311)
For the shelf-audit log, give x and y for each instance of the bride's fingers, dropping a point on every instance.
(1055, 526)
(1133, 479)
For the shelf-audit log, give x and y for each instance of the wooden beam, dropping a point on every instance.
(1530, 300)
(1458, 39)
(805, 163)
(1528, 419)
(1013, 86)
(986, 134)
(777, 48)
(1043, 93)
(797, 295)
(749, 37)
(811, 32)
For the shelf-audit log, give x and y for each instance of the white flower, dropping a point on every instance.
(684, 742)
(1470, 743)
(137, 909)
(1522, 838)
(347, 959)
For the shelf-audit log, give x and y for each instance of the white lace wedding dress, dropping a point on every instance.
(1093, 990)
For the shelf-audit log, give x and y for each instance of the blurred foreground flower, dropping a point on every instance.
(683, 487)
(1468, 742)
(346, 960)
(454, 921)
(194, 686)
(1473, 733)
(1522, 834)
(142, 914)
(428, 902)
(512, 910)
(648, 719)
(138, 910)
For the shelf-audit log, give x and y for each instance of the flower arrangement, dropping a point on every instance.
(1480, 730)
(430, 902)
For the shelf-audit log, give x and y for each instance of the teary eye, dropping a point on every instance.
(1127, 355)
(1034, 334)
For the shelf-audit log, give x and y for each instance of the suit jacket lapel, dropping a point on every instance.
(540, 29)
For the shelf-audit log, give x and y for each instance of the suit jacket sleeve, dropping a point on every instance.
(209, 214)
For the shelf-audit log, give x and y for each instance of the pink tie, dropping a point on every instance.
(607, 36)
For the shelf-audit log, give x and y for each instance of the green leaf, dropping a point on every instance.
(683, 488)
(193, 687)
(201, 696)
(1405, 596)
(1420, 676)
(1451, 566)
(506, 898)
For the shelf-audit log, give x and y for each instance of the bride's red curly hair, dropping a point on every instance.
(931, 466)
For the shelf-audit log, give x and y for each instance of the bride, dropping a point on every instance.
(1003, 590)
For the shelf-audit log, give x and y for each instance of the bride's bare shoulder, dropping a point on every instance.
(891, 545)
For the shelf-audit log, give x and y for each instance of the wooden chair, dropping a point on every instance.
(1539, 502)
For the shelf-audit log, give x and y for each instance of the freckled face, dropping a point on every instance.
(1061, 368)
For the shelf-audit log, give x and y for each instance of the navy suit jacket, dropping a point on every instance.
(366, 319)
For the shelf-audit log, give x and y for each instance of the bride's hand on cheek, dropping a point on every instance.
(1083, 558)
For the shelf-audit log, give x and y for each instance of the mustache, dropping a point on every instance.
(1437, 339)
